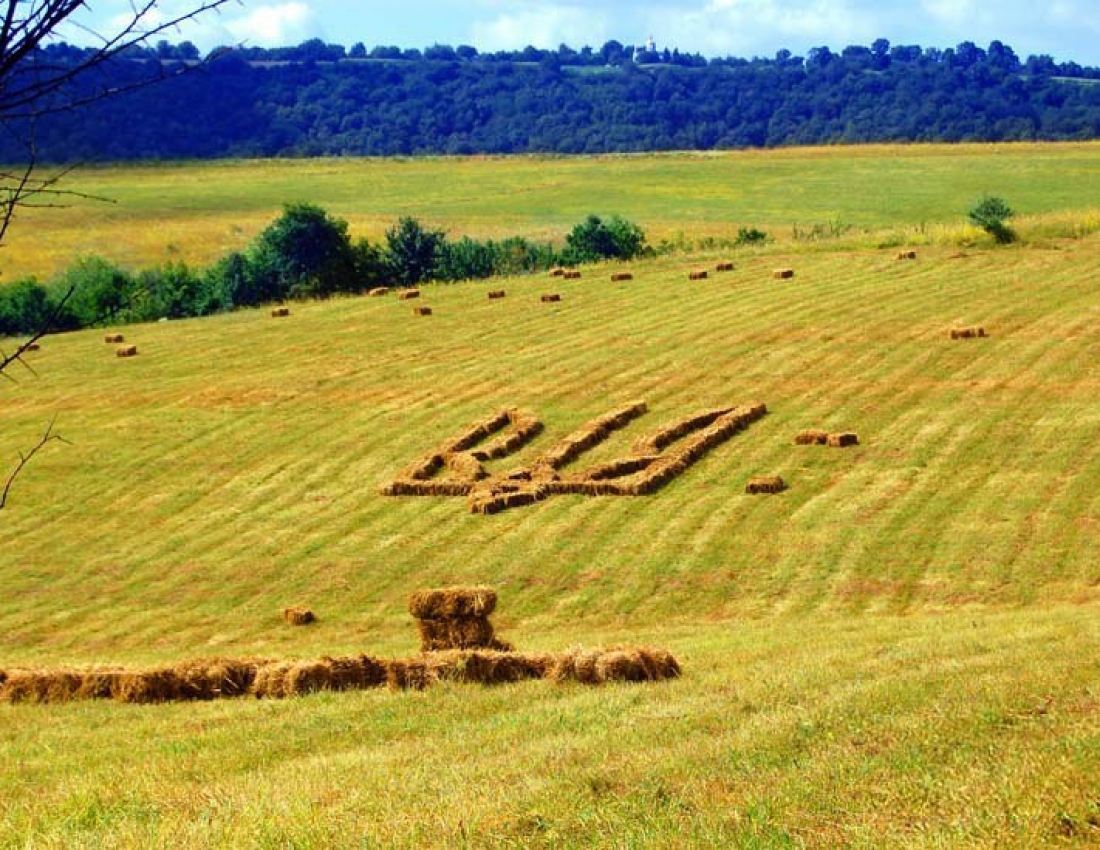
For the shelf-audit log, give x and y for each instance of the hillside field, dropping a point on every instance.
(901, 649)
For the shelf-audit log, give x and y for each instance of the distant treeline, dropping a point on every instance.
(319, 99)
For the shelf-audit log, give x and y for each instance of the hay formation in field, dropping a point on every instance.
(968, 333)
(280, 312)
(843, 439)
(724, 267)
(557, 272)
(572, 274)
(495, 294)
(409, 294)
(765, 484)
(114, 339)
(550, 297)
(422, 311)
(126, 351)
(783, 274)
(618, 277)
(378, 291)
(32, 346)
(811, 437)
(907, 255)
(455, 618)
(697, 274)
(616, 664)
(298, 616)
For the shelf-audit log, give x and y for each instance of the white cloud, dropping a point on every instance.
(546, 26)
(275, 25)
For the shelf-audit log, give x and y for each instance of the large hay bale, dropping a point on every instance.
(550, 297)
(378, 291)
(298, 616)
(458, 633)
(449, 603)
(495, 294)
(724, 267)
(843, 439)
(811, 437)
(40, 686)
(617, 277)
(328, 674)
(968, 333)
(783, 274)
(572, 274)
(280, 312)
(414, 674)
(422, 311)
(114, 339)
(32, 346)
(409, 294)
(697, 274)
(557, 272)
(907, 255)
(126, 351)
(765, 484)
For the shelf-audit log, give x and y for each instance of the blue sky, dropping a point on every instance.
(1065, 29)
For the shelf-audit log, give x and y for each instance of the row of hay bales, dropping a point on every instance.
(819, 437)
(473, 656)
(645, 472)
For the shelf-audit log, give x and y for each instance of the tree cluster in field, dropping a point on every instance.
(319, 99)
(305, 253)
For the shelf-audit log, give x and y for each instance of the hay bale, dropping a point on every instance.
(280, 312)
(557, 272)
(40, 686)
(32, 346)
(449, 603)
(413, 674)
(907, 255)
(811, 437)
(409, 294)
(617, 277)
(297, 616)
(968, 333)
(765, 484)
(495, 294)
(487, 667)
(126, 351)
(422, 311)
(571, 274)
(724, 267)
(697, 274)
(783, 274)
(616, 664)
(378, 291)
(843, 439)
(114, 338)
(457, 633)
(550, 298)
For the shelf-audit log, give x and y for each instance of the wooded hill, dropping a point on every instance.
(319, 99)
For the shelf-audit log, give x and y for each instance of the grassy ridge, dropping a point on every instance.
(199, 212)
(868, 657)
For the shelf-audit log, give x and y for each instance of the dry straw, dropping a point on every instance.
(968, 333)
(280, 312)
(843, 439)
(422, 311)
(557, 272)
(32, 346)
(907, 255)
(617, 664)
(298, 616)
(409, 294)
(697, 274)
(765, 484)
(550, 297)
(494, 294)
(724, 267)
(378, 291)
(126, 351)
(448, 603)
(811, 437)
(114, 339)
(572, 274)
(783, 274)
(616, 277)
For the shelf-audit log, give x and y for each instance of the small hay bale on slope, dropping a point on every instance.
(298, 616)
(452, 602)
(126, 351)
(765, 484)
(280, 312)
(783, 274)
(114, 339)
(811, 437)
(843, 439)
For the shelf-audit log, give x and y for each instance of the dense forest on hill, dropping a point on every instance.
(318, 99)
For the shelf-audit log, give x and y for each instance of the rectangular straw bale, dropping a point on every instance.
(448, 603)
(378, 291)
(656, 442)
(298, 616)
(126, 351)
(488, 667)
(724, 267)
(591, 434)
(349, 673)
(557, 272)
(618, 277)
(550, 297)
(215, 678)
(40, 686)
(811, 437)
(32, 346)
(907, 255)
(465, 466)
(413, 674)
(454, 633)
(572, 274)
(843, 439)
(616, 664)
(783, 274)
(967, 333)
(526, 426)
(270, 680)
(422, 311)
(280, 312)
(765, 484)
(495, 294)
(477, 432)
(408, 294)
(147, 686)
(114, 339)
(697, 274)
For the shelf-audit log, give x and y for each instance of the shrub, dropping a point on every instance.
(101, 291)
(25, 308)
(594, 239)
(750, 236)
(991, 214)
(413, 252)
(303, 253)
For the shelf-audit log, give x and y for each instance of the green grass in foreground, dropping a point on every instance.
(899, 650)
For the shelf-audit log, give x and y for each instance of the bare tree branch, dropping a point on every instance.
(25, 458)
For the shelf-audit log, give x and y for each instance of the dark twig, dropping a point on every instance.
(25, 458)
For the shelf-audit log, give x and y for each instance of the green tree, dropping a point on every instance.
(991, 214)
(413, 252)
(303, 253)
(594, 239)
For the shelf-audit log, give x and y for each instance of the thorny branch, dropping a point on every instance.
(25, 458)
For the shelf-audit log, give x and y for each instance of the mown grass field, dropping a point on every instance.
(198, 212)
(901, 649)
